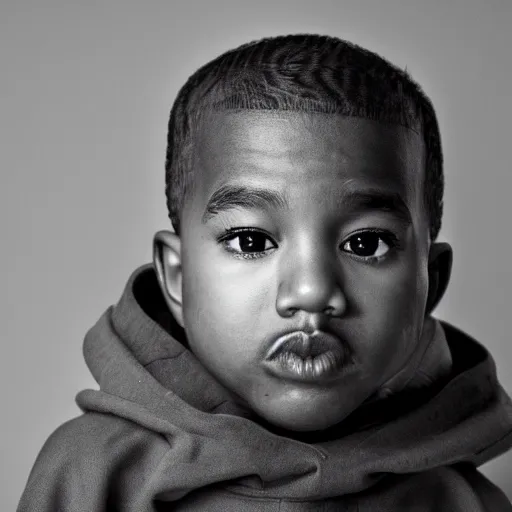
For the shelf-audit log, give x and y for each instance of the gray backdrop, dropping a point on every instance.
(85, 92)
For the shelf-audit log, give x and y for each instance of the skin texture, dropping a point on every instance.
(306, 268)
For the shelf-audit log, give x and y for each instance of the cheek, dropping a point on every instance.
(215, 279)
(225, 302)
(392, 306)
(400, 287)
(406, 290)
(226, 286)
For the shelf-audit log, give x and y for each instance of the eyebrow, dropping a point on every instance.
(229, 197)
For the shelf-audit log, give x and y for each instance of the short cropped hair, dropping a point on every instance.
(302, 73)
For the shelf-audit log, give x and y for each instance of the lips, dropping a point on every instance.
(308, 357)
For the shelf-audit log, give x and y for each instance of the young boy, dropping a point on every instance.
(280, 354)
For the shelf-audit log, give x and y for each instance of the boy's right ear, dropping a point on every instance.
(167, 264)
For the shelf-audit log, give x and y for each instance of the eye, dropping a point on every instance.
(248, 243)
(370, 245)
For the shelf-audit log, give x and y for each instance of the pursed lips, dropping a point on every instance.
(306, 345)
(316, 357)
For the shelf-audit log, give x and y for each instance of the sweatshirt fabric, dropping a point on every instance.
(161, 433)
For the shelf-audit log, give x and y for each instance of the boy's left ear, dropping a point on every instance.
(439, 272)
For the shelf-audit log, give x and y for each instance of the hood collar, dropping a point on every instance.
(152, 379)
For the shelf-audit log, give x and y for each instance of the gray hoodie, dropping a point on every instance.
(162, 434)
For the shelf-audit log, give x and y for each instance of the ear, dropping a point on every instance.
(167, 264)
(439, 272)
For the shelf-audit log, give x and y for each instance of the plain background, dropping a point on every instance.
(86, 88)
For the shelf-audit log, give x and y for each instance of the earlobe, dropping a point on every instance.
(439, 272)
(167, 264)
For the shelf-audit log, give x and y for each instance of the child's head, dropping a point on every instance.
(304, 183)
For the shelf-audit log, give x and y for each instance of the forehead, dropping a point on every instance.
(292, 150)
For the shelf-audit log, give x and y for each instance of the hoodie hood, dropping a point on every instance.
(146, 374)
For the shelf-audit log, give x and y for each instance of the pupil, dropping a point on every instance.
(252, 243)
(364, 244)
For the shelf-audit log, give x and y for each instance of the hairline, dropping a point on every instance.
(244, 77)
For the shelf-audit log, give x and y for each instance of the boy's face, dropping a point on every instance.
(311, 226)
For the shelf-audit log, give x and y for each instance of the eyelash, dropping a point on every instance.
(230, 234)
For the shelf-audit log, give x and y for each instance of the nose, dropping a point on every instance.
(310, 283)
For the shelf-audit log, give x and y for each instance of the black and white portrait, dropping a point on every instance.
(256, 256)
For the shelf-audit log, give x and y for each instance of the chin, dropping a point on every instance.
(308, 416)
